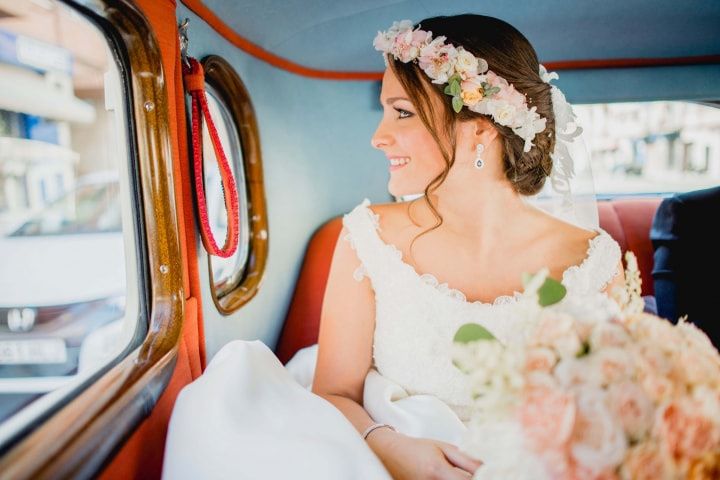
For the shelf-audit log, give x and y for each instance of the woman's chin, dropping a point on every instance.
(400, 188)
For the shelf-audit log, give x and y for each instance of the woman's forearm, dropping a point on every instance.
(360, 419)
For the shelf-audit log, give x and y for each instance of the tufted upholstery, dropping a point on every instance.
(627, 220)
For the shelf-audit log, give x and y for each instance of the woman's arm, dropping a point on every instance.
(347, 325)
(345, 342)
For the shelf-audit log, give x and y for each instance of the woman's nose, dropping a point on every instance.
(381, 138)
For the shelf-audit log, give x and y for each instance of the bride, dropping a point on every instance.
(469, 118)
(405, 276)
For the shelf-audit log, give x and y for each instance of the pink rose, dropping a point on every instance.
(658, 387)
(608, 334)
(645, 461)
(557, 332)
(494, 80)
(632, 407)
(572, 371)
(547, 416)
(613, 364)
(407, 45)
(686, 432)
(540, 359)
(439, 63)
(652, 360)
(696, 367)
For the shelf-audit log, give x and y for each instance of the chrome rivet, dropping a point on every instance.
(149, 106)
(164, 269)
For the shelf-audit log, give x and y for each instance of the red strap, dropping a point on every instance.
(194, 80)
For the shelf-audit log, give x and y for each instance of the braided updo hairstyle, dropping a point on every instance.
(508, 54)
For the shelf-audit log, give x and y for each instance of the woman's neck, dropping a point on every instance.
(481, 211)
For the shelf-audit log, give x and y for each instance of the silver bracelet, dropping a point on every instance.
(375, 426)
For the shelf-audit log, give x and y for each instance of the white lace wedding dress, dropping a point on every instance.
(248, 417)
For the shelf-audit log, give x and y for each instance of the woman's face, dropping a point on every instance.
(414, 159)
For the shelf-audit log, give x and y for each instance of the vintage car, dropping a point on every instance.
(103, 321)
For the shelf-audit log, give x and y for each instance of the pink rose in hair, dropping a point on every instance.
(438, 60)
(408, 45)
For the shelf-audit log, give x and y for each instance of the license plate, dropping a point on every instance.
(46, 350)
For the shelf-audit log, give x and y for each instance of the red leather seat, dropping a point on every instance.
(628, 221)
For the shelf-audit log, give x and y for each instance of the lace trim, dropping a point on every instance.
(601, 249)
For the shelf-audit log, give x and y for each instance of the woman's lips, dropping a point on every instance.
(397, 163)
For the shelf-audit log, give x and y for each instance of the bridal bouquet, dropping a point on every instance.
(593, 390)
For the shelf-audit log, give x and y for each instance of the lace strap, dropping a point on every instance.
(599, 267)
(362, 225)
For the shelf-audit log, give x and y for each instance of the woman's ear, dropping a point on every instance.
(484, 131)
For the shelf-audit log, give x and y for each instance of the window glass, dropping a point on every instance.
(226, 272)
(67, 236)
(652, 147)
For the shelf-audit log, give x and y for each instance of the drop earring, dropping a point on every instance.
(479, 162)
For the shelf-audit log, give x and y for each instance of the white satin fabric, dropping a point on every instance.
(248, 417)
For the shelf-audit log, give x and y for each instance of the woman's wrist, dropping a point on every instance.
(380, 439)
(376, 426)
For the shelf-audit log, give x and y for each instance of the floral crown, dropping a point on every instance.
(468, 79)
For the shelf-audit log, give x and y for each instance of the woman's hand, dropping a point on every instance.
(418, 458)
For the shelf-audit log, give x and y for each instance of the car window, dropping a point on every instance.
(68, 234)
(652, 147)
(90, 208)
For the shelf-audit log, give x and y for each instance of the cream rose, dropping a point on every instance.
(598, 442)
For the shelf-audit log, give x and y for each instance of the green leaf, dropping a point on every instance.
(551, 292)
(457, 104)
(448, 90)
(455, 78)
(472, 332)
(455, 87)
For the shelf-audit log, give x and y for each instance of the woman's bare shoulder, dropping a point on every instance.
(395, 221)
(567, 244)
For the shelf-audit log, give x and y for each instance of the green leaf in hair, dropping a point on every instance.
(457, 104)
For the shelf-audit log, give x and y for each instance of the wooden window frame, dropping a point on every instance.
(235, 97)
(79, 437)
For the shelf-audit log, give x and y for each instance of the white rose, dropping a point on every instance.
(598, 442)
(466, 63)
(632, 407)
(503, 112)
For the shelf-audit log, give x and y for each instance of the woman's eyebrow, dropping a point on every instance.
(390, 100)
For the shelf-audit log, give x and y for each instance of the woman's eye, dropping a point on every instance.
(403, 113)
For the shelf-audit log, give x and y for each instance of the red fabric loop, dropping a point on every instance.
(195, 81)
(195, 85)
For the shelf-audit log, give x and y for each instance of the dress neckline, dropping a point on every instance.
(444, 289)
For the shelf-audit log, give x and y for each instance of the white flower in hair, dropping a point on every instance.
(467, 64)
(469, 82)
(438, 60)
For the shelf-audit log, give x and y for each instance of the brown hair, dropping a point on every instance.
(508, 54)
